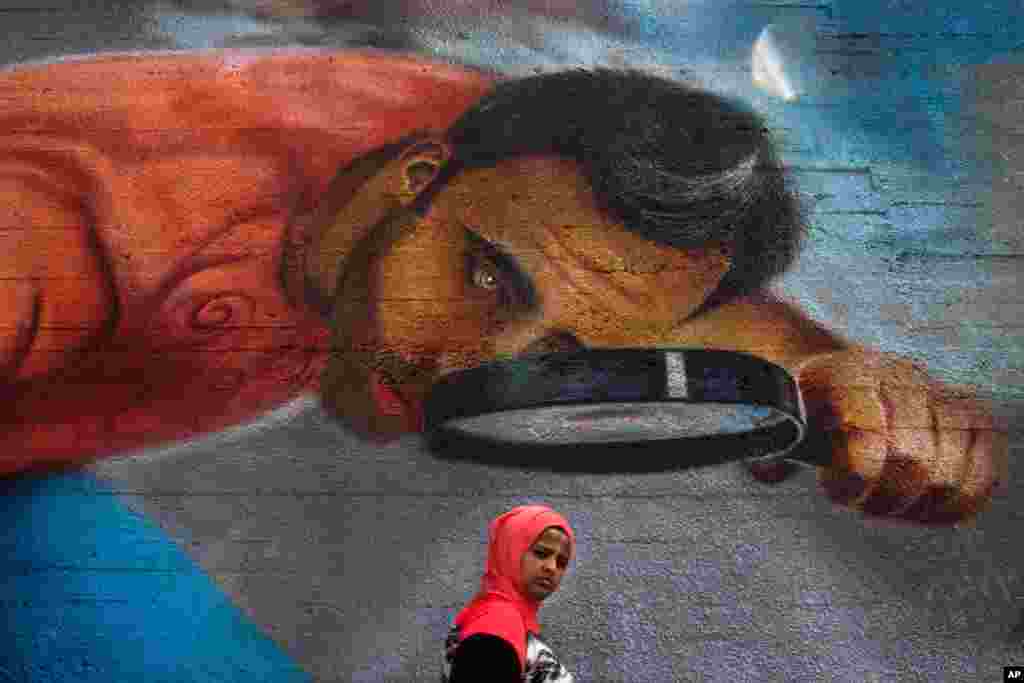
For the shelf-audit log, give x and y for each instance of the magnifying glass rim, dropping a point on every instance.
(617, 376)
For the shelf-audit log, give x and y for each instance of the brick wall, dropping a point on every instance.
(354, 558)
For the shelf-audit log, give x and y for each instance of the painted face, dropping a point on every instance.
(511, 259)
(544, 564)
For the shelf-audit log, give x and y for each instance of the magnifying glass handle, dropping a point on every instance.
(815, 450)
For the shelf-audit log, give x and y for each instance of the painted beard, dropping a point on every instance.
(360, 380)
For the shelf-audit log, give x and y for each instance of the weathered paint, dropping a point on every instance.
(735, 581)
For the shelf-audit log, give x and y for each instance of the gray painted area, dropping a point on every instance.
(354, 557)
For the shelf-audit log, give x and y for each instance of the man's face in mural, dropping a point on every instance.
(511, 259)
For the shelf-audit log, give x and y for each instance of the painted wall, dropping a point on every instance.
(286, 548)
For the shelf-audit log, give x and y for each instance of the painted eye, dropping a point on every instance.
(484, 275)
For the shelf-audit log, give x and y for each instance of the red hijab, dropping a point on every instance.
(500, 608)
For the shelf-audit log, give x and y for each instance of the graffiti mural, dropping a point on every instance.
(129, 336)
(235, 267)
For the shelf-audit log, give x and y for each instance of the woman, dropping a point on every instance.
(496, 636)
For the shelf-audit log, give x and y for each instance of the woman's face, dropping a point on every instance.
(544, 563)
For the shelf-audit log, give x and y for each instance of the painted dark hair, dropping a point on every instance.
(676, 164)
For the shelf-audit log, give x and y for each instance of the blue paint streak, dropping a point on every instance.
(91, 591)
(209, 30)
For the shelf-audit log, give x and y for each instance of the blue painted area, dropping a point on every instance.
(866, 60)
(863, 60)
(210, 30)
(996, 19)
(91, 591)
(739, 660)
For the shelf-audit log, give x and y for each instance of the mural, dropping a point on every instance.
(214, 308)
(196, 238)
(123, 336)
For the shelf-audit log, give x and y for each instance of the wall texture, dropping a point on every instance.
(285, 548)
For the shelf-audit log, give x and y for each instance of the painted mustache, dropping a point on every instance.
(391, 365)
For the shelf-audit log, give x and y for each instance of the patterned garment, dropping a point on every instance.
(541, 664)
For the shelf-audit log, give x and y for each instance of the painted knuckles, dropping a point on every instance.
(904, 446)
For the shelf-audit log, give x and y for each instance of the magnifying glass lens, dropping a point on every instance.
(618, 410)
(619, 422)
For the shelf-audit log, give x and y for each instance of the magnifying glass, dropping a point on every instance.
(618, 410)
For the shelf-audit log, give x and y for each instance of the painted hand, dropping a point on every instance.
(903, 445)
